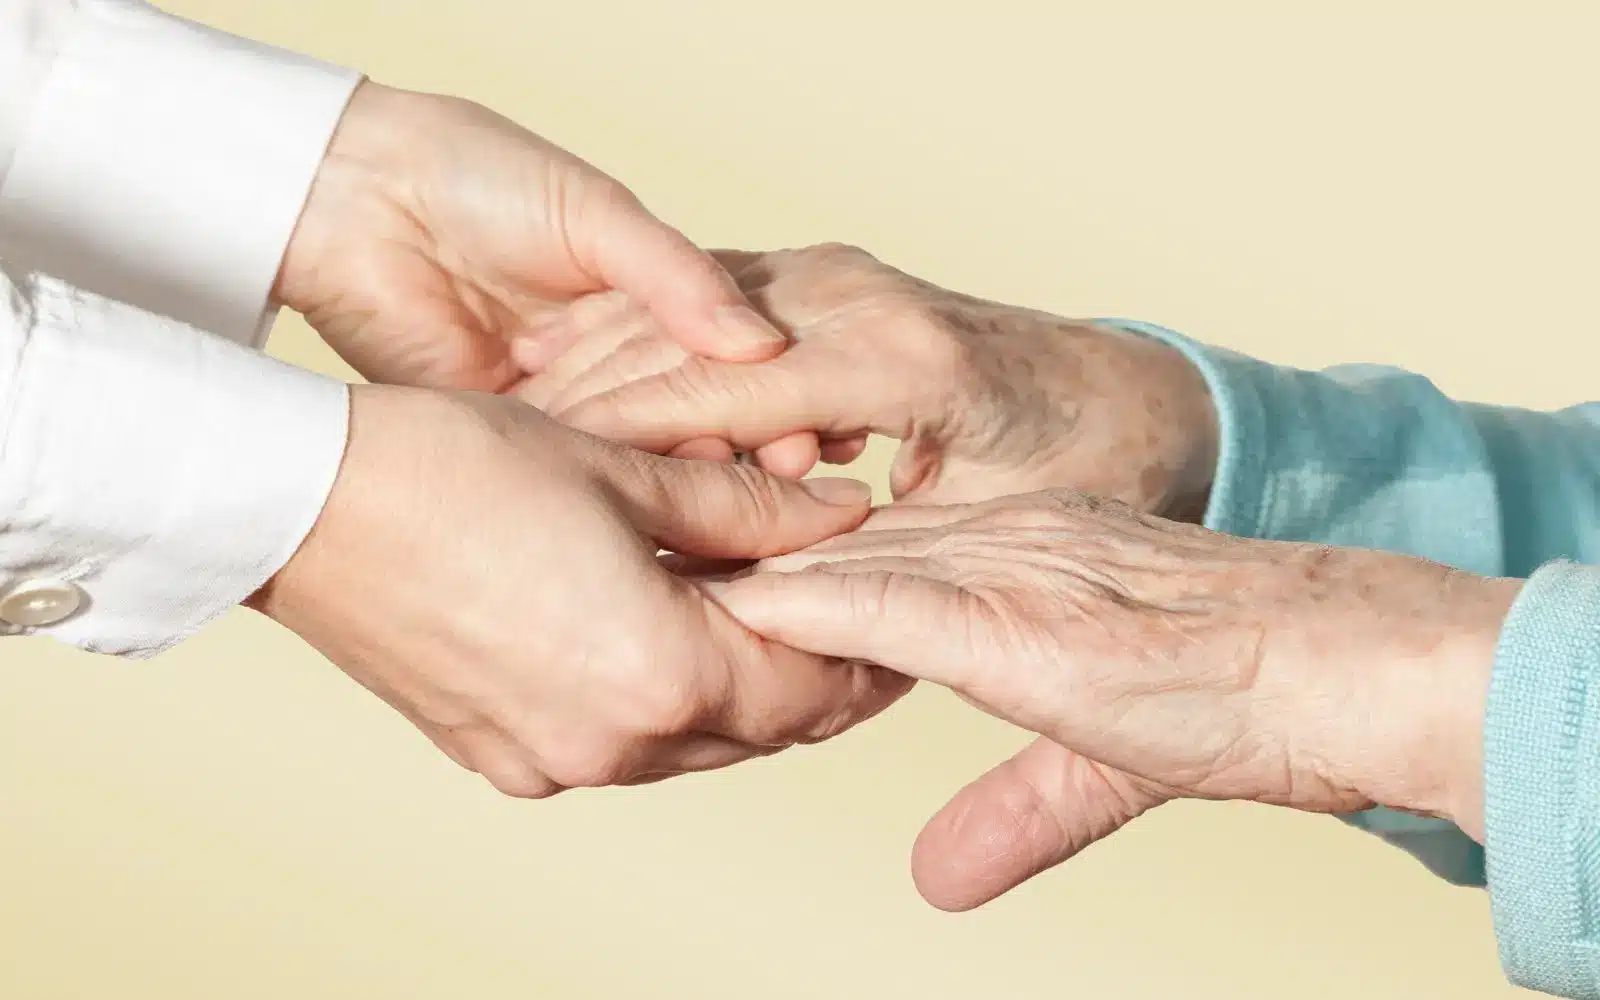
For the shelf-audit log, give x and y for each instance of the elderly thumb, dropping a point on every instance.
(1022, 818)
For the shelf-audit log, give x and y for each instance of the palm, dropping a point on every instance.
(438, 232)
(434, 291)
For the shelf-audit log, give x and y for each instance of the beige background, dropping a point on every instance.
(1394, 183)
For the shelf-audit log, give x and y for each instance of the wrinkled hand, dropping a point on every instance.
(437, 231)
(1163, 660)
(494, 577)
(988, 399)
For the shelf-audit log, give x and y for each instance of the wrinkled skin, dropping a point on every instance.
(988, 399)
(1160, 660)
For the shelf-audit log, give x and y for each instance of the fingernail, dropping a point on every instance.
(840, 492)
(746, 333)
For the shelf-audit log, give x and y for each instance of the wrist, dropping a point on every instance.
(1465, 666)
(357, 493)
(1174, 431)
(360, 189)
(1431, 710)
(1197, 442)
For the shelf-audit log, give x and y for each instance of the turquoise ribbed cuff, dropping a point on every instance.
(1542, 783)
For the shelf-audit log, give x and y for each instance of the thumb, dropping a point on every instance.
(696, 302)
(1026, 816)
(731, 511)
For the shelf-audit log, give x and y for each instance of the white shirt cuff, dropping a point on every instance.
(166, 164)
(164, 472)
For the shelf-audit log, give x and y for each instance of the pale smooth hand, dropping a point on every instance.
(494, 576)
(437, 232)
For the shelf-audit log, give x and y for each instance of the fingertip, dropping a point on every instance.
(843, 451)
(968, 853)
(738, 333)
(838, 492)
(790, 457)
(704, 450)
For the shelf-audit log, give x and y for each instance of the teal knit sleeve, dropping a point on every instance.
(1379, 458)
(1542, 784)
(1360, 456)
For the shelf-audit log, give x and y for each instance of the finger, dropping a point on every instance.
(747, 405)
(905, 548)
(779, 696)
(696, 301)
(843, 451)
(504, 764)
(729, 511)
(790, 457)
(705, 450)
(908, 516)
(606, 347)
(1026, 816)
(569, 335)
(911, 624)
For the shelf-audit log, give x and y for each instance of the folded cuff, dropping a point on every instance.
(166, 165)
(167, 473)
(1542, 783)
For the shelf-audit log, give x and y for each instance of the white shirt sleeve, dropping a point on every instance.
(154, 160)
(157, 473)
(151, 475)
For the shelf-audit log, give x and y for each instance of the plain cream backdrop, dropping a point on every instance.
(1395, 182)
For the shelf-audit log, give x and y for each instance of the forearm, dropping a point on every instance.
(1379, 458)
(1357, 456)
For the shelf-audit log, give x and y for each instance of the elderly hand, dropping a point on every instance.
(437, 231)
(494, 577)
(1163, 660)
(989, 399)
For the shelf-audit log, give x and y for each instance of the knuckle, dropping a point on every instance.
(589, 763)
(769, 727)
(517, 778)
(948, 357)
(870, 595)
(757, 496)
(850, 710)
(838, 254)
(662, 706)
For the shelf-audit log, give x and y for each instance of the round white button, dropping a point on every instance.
(40, 602)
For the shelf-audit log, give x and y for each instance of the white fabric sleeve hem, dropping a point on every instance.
(166, 164)
(166, 472)
(30, 37)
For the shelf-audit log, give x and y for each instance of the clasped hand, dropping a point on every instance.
(1156, 659)
(492, 573)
